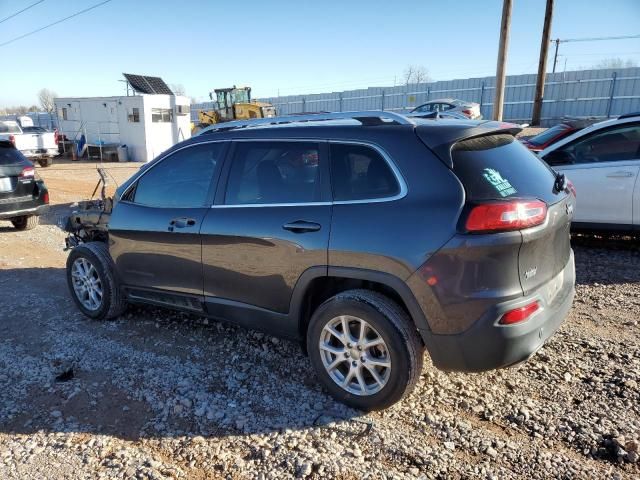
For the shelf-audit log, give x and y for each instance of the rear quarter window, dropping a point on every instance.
(497, 167)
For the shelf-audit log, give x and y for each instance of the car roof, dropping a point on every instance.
(591, 128)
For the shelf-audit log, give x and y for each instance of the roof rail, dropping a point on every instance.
(629, 115)
(367, 117)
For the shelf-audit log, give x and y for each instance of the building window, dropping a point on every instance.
(64, 113)
(134, 116)
(161, 115)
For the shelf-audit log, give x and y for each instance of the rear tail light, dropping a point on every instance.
(520, 314)
(12, 139)
(468, 112)
(505, 216)
(45, 197)
(571, 187)
(28, 172)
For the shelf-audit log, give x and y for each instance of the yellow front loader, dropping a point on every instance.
(233, 104)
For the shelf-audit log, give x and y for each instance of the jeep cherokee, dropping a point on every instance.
(368, 236)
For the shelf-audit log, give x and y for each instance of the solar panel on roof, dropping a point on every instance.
(145, 84)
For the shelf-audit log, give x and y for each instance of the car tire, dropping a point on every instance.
(401, 348)
(45, 162)
(27, 222)
(111, 301)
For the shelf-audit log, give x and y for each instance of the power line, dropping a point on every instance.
(593, 39)
(54, 23)
(23, 10)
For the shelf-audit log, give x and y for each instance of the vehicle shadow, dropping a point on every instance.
(151, 373)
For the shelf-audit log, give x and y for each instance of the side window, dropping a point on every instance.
(359, 172)
(181, 180)
(274, 172)
(615, 144)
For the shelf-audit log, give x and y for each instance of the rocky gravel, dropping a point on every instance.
(159, 395)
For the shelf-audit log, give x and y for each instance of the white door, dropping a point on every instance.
(604, 167)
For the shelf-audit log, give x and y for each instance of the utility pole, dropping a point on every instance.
(502, 59)
(555, 55)
(542, 64)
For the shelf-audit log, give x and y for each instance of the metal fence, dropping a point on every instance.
(584, 93)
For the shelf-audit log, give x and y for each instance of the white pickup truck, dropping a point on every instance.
(35, 145)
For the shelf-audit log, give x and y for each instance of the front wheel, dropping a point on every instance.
(92, 281)
(365, 349)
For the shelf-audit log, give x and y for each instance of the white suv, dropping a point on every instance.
(603, 163)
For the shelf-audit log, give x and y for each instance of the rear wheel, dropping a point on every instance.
(27, 222)
(365, 349)
(45, 162)
(93, 283)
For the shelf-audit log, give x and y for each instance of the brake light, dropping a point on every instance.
(505, 216)
(520, 314)
(12, 139)
(571, 187)
(467, 112)
(45, 197)
(28, 172)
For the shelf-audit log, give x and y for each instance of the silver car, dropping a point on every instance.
(468, 109)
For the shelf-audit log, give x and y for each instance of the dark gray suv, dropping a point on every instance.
(369, 236)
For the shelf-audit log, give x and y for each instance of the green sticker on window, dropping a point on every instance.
(496, 180)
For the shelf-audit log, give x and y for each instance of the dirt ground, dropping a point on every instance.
(156, 394)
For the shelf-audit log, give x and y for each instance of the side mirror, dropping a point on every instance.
(558, 157)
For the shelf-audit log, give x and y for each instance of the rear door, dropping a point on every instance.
(154, 229)
(269, 225)
(604, 167)
(500, 168)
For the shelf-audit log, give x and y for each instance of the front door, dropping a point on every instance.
(155, 229)
(269, 225)
(603, 166)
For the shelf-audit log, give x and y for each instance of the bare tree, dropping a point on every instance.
(615, 63)
(33, 108)
(178, 89)
(415, 74)
(45, 98)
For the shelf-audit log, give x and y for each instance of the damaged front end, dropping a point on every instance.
(90, 221)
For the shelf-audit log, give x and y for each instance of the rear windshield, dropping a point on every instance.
(10, 156)
(495, 167)
(9, 127)
(548, 134)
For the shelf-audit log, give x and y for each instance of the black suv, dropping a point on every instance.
(369, 236)
(23, 197)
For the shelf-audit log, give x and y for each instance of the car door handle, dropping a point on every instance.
(181, 222)
(621, 174)
(300, 226)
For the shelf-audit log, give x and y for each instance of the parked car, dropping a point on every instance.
(435, 115)
(468, 109)
(40, 146)
(603, 162)
(539, 142)
(23, 198)
(369, 238)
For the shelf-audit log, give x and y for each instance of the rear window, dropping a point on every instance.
(495, 167)
(10, 156)
(9, 127)
(548, 134)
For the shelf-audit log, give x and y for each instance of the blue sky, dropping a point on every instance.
(290, 47)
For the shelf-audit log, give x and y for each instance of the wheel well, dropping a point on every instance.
(323, 288)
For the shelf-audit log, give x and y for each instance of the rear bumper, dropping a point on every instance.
(41, 152)
(20, 206)
(486, 345)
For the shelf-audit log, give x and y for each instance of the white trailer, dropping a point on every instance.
(147, 124)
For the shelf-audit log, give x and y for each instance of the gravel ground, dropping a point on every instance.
(157, 394)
